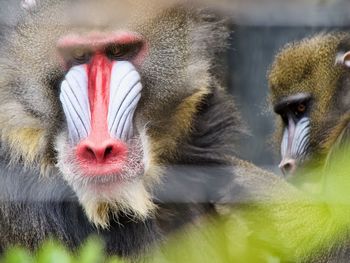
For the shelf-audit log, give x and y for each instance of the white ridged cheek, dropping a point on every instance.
(284, 143)
(75, 102)
(301, 140)
(125, 94)
(297, 147)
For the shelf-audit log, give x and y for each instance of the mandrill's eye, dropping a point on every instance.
(294, 107)
(300, 110)
(123, 51)
(80, 56)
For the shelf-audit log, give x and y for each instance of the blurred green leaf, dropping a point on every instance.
(281, 230)
(53, 252)
(18, 255)
(114, 260)
(92, 252)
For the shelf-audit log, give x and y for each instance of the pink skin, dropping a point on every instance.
(99, 154)
(97, 41)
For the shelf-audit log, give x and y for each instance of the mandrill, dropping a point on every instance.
(309, 84)
(112, 123)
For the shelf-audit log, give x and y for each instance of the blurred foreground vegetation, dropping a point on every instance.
(282, 230)
(53, 252)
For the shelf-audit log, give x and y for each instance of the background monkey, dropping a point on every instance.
(309, 85)
(309, 91)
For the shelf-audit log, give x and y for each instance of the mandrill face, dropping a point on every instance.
(100, 152)
(105, 99)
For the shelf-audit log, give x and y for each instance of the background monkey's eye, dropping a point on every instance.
(123, 51)
(301, 108)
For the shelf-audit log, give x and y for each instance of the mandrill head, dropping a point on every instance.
(105, 93)
(100, 152)
(309, 84)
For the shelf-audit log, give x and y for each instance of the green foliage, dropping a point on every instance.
(17, 255)
(54, 252)
(290, 227)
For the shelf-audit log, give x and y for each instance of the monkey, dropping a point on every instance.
(135, 155)
(308, 84)
(112, 123)
(308, 91)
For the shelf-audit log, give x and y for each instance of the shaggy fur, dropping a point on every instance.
(34, 208)
(309, 66)
(187, 127)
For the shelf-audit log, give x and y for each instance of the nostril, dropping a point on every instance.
(108, 152)
(99, 152)
(90, 151)
(87, 153)
(288, 166)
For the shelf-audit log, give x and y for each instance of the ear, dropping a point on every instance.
(28, 5)
(343, 58)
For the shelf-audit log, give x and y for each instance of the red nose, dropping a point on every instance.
(99, 154)
(104, 152)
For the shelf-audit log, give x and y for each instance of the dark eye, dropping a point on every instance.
(300, 109)
(123, 51)
(80, 56)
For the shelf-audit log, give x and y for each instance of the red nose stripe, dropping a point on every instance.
(99, 77)
(99, 153)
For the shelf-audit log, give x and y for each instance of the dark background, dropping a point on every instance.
(260, 29)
